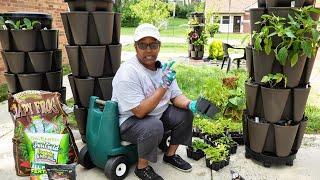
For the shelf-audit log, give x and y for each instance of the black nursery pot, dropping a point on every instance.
(50, 39)
(41, 61)
(25, 40)
(30, 81)
(12, 82)
(15, 60)
(5, 40)
(214, 165)
(195, 155)
(203, 105)
(85, 88)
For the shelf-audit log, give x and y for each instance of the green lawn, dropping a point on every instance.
(165, 48)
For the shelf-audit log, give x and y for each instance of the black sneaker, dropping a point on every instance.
(177, 162)
(147, 173)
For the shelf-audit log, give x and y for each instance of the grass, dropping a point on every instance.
(71, 117)
(165, 48)
(3, 92)
(313, 113)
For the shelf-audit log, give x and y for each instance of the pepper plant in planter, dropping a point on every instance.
(196, 150)
(200, 42)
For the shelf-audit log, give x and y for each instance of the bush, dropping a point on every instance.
(128, 18)
(216, 50)
(183, 11)
(212, 29)
(151, 11)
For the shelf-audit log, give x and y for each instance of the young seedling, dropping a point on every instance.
(277, 80)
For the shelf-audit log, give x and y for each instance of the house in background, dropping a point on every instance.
(233, 19)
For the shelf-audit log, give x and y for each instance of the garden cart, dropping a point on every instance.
(104, 147)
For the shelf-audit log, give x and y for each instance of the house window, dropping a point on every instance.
(225, 19)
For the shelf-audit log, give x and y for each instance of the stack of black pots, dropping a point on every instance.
(94, 52)
(198, 19)
(32, 58)
(267, 139)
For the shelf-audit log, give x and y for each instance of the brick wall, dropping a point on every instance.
(53, 7)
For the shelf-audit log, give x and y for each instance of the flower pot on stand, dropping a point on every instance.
(12, 82)
(79, 30)
(294, 73)
(30, 81)
(41, 61)
(115, 58)
(300, 97)
(251, 97)
(193, 54)
(94, 57)
(257, 135)
(15, 61)
(54, 80)
(5, 40)
(105, 31)
(74, 59)
(85, 88)
(50, 39)
(25, 40)
(284, 137)
(274, 101)
(262, 64)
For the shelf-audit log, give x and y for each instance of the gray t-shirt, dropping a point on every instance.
(133, 83)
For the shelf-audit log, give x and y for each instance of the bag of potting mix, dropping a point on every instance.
(67, 172)
(41, 134)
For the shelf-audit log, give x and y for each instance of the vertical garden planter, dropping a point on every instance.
(278, 3)
(81, 118)
(54, 80)
(262, 64)
(116, 28)
(274, 101)
(104, 25)
(25, 40)
(288, 110)
(115, 58)
(249, 61)
(106, 87)
(251, 96)
(12, 82)
(15, 61)
(74, 59)
(85, 88)
(41, 61)
(5, 40)
(294, 73)
(30, 81)
(79, 30)
(50, 39)
(307, 70)
(56, 60)
(300, 97)
(67, 28)
(299, 136)
(284, 137)
(93, 38)
(94, 57)
(257, 135)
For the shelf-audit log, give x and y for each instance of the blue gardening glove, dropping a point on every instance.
(168, 76)
(193, 106)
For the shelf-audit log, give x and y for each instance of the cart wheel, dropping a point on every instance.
(116, 168)
(164, 145)
(84, 158)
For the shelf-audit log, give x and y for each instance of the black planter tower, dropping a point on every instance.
(31, 57)
(268, 138)
(197, 26)
(94, 52)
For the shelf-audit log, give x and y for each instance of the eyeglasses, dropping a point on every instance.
(152, 46)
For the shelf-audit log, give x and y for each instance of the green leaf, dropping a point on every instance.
(11, 24)
(265, 79)
(294, 59)
(268, 46)
(289, 34)
(282, 56)
(315, 34)
(307, 48)
(257, 43)
(27, 23)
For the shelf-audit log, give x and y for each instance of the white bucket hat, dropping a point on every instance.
(146, 30)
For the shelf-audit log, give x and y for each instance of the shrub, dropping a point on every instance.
(128, 18)
(151, 11)
(183, 11)
(216, 50)
(212, 28)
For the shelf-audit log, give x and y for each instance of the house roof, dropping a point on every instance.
(236, 6)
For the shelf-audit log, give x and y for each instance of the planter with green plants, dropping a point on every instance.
(217, 157)
(196, 151)
(229, 143)
(274, 96)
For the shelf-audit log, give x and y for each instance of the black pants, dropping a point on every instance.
(147, 133)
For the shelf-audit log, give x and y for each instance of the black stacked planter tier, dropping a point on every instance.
(195, 52)
(31, 57)
(267, 140)
(94, 52)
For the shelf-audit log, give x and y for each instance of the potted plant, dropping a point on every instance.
(196, 150)
(274, 96)
(79, 31)
(4, 35)
(215, 157)
(229, 143)
(200, 42)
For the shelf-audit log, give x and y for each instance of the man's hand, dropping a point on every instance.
(193, 106)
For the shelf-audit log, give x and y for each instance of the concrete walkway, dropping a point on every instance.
(306, 166)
